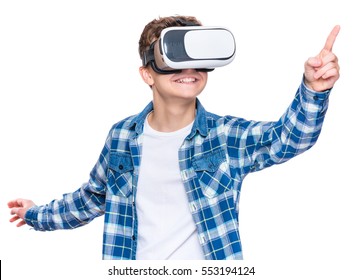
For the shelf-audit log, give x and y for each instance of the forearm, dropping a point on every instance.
(73, 210)
(263, 144)
(299, 128)
(78, 208)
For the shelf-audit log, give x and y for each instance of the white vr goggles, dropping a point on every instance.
(190, 47)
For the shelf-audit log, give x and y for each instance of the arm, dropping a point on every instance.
(299, 128)
(73, 210)
(294, 133)
(263, 144)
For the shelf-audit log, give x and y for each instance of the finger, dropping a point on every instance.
(330, 74)
(314, 62)
(13, 219)
(21, 223)
(326, 71)
(331, 38)
(15, 203)
(12, 203)
(14, 211)
(329, 58)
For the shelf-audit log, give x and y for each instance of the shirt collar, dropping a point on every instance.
(200, 123)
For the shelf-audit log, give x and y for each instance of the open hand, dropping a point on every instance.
(18, 209)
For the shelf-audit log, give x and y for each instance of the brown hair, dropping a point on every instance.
(152, 30)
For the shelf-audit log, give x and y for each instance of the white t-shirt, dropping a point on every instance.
(166, 229)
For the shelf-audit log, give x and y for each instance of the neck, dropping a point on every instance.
(173, 116)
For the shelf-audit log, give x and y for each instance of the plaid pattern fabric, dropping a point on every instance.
(214, 159)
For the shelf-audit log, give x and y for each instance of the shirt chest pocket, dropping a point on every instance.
(212, 170)
(120, 174)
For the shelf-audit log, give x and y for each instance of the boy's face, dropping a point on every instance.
(187, 84)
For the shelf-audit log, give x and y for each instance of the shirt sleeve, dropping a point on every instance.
(74, 209)
(263, 144)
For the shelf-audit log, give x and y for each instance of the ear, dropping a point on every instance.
(146, 75)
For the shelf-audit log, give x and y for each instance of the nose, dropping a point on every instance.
(190, 70)
(198, 70)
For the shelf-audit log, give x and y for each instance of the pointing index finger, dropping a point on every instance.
(331, 38)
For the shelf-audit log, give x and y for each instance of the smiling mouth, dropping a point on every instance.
(186, 80)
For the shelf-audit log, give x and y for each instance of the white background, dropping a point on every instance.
(69, 70)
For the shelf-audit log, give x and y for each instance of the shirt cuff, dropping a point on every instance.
(31, 217)
(315, 96)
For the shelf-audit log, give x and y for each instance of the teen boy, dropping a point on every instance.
(168, 179)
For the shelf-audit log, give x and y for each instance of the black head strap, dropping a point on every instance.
(148, 55)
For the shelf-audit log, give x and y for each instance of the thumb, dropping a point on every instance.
(314, 62)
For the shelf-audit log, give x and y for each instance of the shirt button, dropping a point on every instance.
(121, 167)
(254, 166)
(133, 237)
(315, 98)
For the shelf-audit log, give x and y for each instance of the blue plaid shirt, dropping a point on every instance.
(213, 159)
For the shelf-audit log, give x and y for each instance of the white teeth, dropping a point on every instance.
(186, 80)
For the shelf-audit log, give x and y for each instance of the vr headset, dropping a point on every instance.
(190, 47)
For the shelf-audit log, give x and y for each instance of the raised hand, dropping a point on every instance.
(322, 71)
